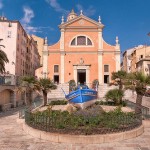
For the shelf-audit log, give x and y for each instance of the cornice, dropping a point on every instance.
(64, 25)
(83, 52)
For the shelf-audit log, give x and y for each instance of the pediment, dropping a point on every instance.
(81, 21)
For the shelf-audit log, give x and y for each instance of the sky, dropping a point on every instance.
(127, 19)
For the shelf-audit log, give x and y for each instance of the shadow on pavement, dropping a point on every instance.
(10, 112)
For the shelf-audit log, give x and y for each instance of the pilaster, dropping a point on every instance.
(100, 39)
(117, 55)
(100, 56)
(100, 67)
(45, 60)
(62, 57)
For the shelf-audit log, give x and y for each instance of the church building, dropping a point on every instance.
(81, 53)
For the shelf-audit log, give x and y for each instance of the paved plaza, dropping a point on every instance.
(12, 137)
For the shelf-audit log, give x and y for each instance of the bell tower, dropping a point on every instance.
(71, 15)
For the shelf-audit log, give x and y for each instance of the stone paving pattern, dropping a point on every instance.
(12, 137)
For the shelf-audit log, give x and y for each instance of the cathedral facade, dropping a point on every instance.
(81, 53)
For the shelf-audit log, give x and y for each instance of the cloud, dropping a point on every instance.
(31, 29)
(90, 11)
(1, 4)
(54, 4)
(27, 22)
(28, 15)
(27, 19)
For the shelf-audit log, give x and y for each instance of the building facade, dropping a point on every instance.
(81, 53)
(24, 59)
(20, 48)
(126, 61)
(137, 59)
(141, 59)
(40, 45)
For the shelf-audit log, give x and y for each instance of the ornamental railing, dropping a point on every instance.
(63, 122)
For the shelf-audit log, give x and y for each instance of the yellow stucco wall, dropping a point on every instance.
(5, 97)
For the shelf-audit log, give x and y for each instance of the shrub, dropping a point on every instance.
(88, 121)
(72, 85)
(115, 95)
(110, 103)
(58, 102)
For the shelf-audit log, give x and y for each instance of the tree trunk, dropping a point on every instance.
(120, 88)
(45, 98)
(138, 108)
(29, 98)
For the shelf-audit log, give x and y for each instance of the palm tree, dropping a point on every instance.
(119, 78)
(3, 60)
(138, 82)
(46, 85)
(28, 84)
(115, 95)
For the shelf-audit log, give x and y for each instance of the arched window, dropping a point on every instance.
(81, 41)
(73, 42)
(89, 41)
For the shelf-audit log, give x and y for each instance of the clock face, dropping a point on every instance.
(81, 22)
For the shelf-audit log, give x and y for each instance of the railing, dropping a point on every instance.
(37, 102)
(62, 122)
(145, 110)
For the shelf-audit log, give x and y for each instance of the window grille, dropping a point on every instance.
(89, 41)
(73, 41)
(81, 40)
(56, 68)
(106, 68)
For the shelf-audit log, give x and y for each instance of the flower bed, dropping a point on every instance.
(83, 122)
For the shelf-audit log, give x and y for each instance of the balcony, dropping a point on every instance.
(9, 79)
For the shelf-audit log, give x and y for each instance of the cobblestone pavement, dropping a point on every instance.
(13, 138)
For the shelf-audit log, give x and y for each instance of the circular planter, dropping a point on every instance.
(83, 139)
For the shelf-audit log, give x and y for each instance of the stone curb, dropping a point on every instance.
(81, 139)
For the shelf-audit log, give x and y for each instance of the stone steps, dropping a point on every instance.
(103, 89)
(58, 93)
